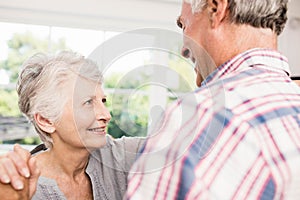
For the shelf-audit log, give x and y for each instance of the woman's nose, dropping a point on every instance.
(102, 113)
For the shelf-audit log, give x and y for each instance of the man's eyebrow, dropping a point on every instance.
(178, 21)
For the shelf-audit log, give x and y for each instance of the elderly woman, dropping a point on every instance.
(62, 96)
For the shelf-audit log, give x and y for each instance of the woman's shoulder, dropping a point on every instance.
(125, 139)
(128, 144)
(118, 153)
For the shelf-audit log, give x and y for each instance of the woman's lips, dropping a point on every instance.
(98, 130)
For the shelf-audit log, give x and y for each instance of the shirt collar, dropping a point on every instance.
(266, 58)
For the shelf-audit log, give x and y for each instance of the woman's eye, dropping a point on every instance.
(104, 100)
(88, 102)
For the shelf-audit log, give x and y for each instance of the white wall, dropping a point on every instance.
(289, 41)
(116, 15)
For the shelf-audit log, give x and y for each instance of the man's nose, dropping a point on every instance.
(185, 52)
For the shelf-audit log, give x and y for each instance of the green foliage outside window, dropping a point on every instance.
(9, 103)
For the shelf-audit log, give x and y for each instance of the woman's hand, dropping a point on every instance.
(18, 172)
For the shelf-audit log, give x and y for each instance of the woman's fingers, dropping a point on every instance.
(20, 158)
(9, 169)
(4, 178)
(13, 166)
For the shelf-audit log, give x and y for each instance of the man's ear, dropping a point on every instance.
(44, 123)
(217, 11)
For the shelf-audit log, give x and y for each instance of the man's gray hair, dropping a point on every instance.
(41, 82)
(257, 13)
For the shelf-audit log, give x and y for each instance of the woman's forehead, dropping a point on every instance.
(87, 86)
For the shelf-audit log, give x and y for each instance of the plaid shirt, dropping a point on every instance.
(236, 137)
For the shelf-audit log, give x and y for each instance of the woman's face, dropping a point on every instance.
(85, 117)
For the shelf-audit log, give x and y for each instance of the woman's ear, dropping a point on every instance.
(217, 11)
(44, 123)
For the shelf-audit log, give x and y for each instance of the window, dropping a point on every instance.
(140, 82)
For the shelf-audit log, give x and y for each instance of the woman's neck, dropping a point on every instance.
(65, 161)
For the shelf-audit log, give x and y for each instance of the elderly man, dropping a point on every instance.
(237, 136)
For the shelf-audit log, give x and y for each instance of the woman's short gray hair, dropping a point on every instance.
(257, 13)
(41, 81)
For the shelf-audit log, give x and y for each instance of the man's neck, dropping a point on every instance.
(241, 39)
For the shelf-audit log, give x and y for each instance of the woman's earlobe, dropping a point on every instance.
(50, 130)
(45, 124)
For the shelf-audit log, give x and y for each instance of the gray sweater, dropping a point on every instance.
(107, 168)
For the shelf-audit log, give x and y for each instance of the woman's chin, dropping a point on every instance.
(95, 143)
